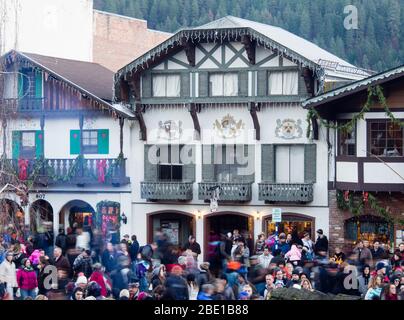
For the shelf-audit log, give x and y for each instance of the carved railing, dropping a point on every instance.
(284, 192)
(229, 191)
(77, 171)
(29, 104)
(163, 190)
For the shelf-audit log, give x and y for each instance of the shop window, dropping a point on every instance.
(223, 84)
(368, 227)
(166, 85)
(385, 138)
(346, 141)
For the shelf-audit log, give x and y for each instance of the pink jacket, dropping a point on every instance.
(294, 254)
(26, 279)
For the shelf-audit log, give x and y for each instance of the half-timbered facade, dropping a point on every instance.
(219, 114)
(367, 159)
(63, 141)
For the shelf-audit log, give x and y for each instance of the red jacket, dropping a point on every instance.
(99, 278)
(26, 279)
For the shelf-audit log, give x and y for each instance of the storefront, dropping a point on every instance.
(291, 223)
(368, 227)
(176, 226)
(108, 218)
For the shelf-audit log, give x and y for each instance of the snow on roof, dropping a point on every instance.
(356, 86)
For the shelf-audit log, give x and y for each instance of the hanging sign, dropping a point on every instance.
(276, 215)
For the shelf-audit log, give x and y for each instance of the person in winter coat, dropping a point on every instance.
(98, 277)
(78, 294)
(134, 248)
(63, 267)
(83, 263)
(364, 280)
(61, 241)
(177, 285)
(193, 246)
(159, 276)
(27, 280)
(8, 275)
(264, 260)
(389, 292)
(294, 255)
(108, 258)
(375, 288)
(94, 290)
(364, 253)
(308, 242)
(206, 292)
(321, 245)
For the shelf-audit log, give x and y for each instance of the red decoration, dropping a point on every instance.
(75, 136)
(365, 196)
(101, 166)
(104, 136)
(40, 136)
(346, 196)
(23, 169)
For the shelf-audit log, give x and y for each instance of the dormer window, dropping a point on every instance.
(167, 85)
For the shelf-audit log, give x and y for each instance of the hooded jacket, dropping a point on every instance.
(8, 273)
(26, 279)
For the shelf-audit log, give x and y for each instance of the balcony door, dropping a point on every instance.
(289, 164)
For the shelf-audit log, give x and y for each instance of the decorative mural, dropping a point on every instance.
(289, 129)
(170, 130)
(228, 127)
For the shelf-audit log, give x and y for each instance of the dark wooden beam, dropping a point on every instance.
(254, 107)
(249, 46)
(189, 49)
(142, 123)
(133, 86)
(194, 110)
(314, 124)
(121, 124)
(309, 80)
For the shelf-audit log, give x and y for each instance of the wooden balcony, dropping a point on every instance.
(166, 190)
(229, 191)
(79, 171)
(286, 192)
(31, 104)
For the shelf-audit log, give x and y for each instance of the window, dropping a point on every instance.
(346, 141)
(223, 84)
(386, 138)
(232, 162)
(283, 83)
(167, 85)
(170, 167)
(90, 141)
(289, 164)
(28, 145)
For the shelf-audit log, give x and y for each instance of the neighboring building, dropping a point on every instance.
(61, 131)
(74, 30)
(367, 160)
(118, 39)
(231, 89)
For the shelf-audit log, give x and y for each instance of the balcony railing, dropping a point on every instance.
(29, 104)
(283, 192)
(229, 191)
(77, 171)
(163, 190)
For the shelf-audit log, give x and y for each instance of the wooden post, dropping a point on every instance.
(121, 124)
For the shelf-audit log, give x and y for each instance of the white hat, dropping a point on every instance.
(81, 280)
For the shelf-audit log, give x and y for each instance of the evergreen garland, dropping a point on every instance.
(373, 92)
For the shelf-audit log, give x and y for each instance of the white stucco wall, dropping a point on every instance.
(383, 172)
(56, 28)
(347, 172)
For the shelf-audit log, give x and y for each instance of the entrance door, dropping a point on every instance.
(296, 225)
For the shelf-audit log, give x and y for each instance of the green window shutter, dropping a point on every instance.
(147, 85)
(243, 83)
(103, 141)
(75, 141)
(189, 168)
(38, 84)
(150, 168)
(185, 84)
(39, 144)
(208, 169)
(16, 136)
(310, 163)
(203, 84)
(268, 163)
(21, 80)
(262, 85)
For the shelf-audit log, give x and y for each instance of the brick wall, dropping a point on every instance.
(393, 202)
(119, 40)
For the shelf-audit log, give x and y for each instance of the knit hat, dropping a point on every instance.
(296, 272)
(380, 265)
(205, 266)
(320, 231)
(9, 253)
(81, 280)
(124, 293)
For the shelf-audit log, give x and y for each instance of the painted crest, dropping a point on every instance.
(289, 129)
(228, 127)
(170, 130)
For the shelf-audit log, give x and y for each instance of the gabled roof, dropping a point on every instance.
(91, 79)
(354, 87)
(296, 48)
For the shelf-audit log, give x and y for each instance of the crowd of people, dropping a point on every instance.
(81, 265)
